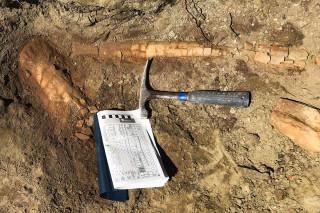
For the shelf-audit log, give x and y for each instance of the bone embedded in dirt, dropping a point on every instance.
(274, 55)
(286, 64)
(280, 51)
(299, 122)
(262, 57)
(197, 51)
(42, 67)
(207, 52)
(263, 48)
(116, 49)
(298, 54)
(215, 52)
(300, 64)
(84, 49)
(153, 49)
(262, 53)
(276, 60)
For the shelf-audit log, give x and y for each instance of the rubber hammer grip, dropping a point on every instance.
(227, 98)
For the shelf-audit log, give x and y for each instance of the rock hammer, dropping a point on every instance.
(226, 98)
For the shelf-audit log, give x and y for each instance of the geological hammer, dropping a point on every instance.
(227, 98)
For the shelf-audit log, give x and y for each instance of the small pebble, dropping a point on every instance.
(79, 123)
(93, 109)
(82, 137)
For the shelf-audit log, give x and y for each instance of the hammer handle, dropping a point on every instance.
(227, 98)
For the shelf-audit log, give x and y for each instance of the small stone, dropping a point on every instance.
(86, 131)
(233, 110)
(292, 178)
(1, 103)
(171, 34)
(82, 137)
(93, 109)
(262, 57)
(298, 54)
(317, 60)
(79, 123)
(83, 102)
(83, 111)
(299, 122)
(89, 121)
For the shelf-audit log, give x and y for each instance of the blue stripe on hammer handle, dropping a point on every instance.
(182, 96)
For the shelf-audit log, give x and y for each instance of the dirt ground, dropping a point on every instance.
(221, 159)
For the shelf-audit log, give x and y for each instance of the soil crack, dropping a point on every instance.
(194, 17)
(268, 170)
(6, 101)
(237, 34)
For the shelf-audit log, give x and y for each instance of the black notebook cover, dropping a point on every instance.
(106, 189)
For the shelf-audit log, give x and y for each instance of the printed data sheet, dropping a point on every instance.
(130, 149)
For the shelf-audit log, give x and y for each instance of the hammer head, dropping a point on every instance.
(145, 90)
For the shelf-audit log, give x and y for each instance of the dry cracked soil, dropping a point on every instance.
(220, 159)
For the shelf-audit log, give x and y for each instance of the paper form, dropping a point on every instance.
(130, 150)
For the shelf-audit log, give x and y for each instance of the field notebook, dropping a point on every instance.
(127, 155)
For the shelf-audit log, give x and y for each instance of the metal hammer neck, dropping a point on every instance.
(163, 95)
